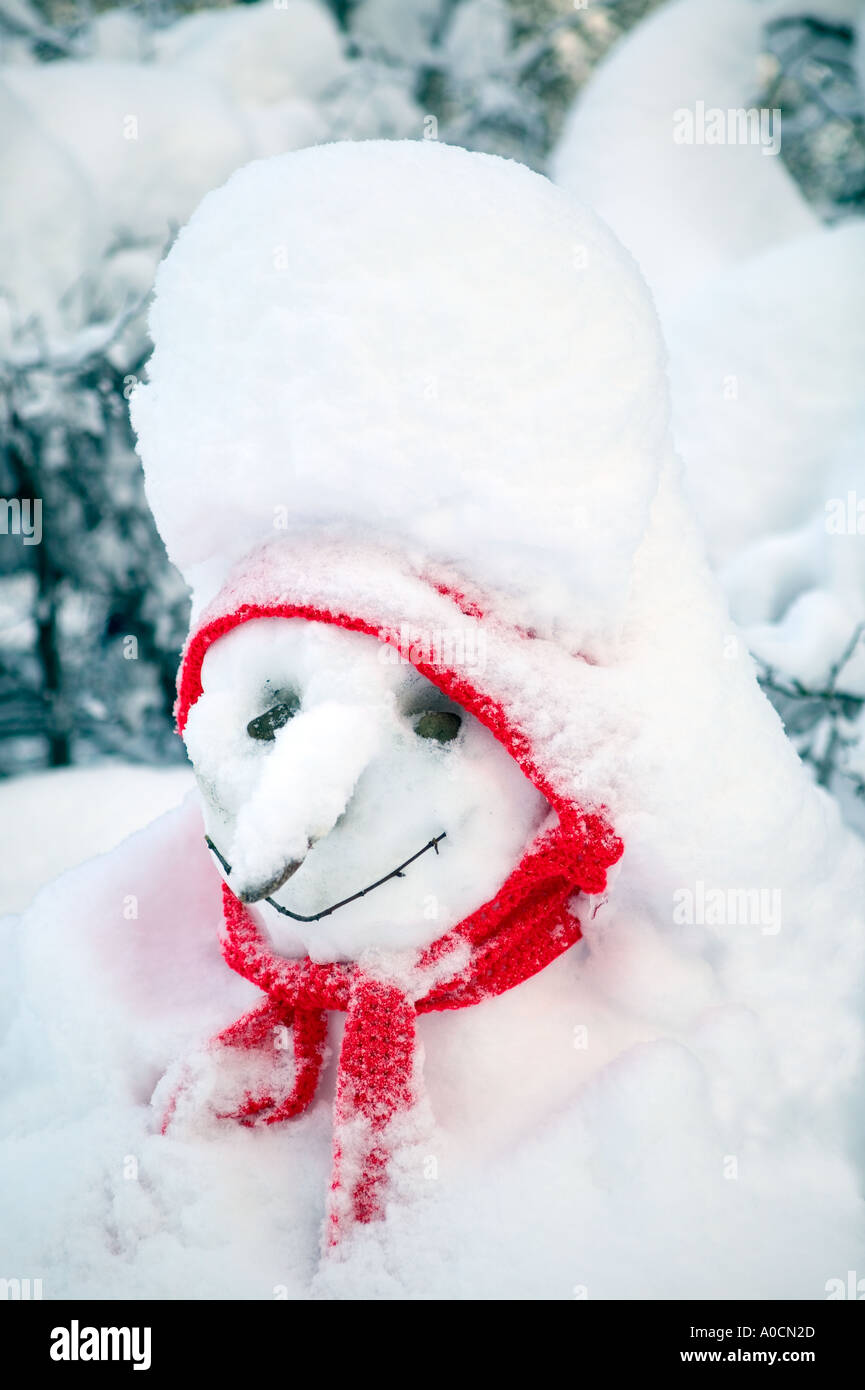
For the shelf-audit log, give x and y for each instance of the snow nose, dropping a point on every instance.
(255, 892)
(307, 779)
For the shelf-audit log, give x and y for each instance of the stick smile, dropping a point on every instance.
(275, 884)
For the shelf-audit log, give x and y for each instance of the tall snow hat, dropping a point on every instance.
(426, 346)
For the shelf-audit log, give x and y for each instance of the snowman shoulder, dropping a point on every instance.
(116, 966)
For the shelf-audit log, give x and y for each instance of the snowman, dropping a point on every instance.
(506, 949)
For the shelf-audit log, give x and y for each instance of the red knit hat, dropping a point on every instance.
(434, 623)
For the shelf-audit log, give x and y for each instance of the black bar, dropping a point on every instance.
(277, 1336)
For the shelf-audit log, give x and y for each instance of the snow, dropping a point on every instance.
(762, 310)
(136, 137)
(466, 394)
(297, 372)
(663, 1111)
(55, 820)
(39, 267)
(767, 363)
(395, 29)
(259, 54)
(832, 11)
(808, 639)
(120, 145)
(605, 1163)
(477, 39)
(118, 36)
(685, 211)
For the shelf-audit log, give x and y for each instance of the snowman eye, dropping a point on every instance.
(265, 726)
(441, 725)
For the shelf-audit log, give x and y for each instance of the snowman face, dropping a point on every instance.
(324, 763)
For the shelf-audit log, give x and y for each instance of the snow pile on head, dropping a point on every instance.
(414, 341)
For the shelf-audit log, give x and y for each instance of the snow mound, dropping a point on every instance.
(767, 364)
(54, 820)
(684, 210)
(37, 268)
(118, 147)
(259, 53)
(358, 333)
(133, 133)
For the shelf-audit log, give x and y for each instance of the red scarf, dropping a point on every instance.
(523, 928)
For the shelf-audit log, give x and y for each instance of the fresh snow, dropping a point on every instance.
(120, 145)
(302, 375)
(685, 211)
(54, 820)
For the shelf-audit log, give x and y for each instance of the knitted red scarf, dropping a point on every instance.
(526, 925)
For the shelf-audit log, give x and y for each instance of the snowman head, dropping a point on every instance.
(326, 764)
(351, 342)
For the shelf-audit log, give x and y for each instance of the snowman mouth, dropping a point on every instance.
(398, 872)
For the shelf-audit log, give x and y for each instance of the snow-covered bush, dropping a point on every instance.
(92, 611)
